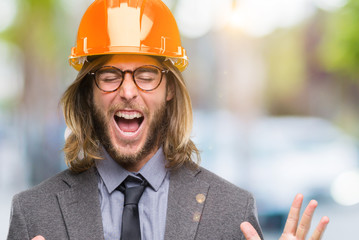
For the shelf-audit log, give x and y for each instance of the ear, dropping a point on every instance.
(170, 90)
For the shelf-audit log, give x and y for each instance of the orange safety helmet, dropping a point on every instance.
(145, 27)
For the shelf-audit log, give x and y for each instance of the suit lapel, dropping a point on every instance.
(186, 199)
(80, 206)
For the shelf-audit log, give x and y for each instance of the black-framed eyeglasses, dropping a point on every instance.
(146, 78)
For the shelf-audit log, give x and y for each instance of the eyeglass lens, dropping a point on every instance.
(109, 78)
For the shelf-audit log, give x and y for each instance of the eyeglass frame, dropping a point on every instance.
(132, 72)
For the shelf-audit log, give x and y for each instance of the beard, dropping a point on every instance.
(155, 136)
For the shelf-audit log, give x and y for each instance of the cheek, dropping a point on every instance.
(102, 100)
(154, 101)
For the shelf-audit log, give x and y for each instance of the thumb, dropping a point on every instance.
(38, 238)
(249, 232)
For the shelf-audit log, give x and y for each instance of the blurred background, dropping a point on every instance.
(275, 90)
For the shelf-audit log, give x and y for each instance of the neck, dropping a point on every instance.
(136, 167)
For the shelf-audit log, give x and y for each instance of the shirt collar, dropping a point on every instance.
(112, 174)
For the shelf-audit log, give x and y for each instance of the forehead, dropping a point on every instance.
(132, 60)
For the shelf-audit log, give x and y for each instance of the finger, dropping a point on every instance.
(318, 232)
(249, 232)
(306, 220)
(38, 238)
(293, 216)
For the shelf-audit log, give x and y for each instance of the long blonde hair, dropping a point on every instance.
(82, 146)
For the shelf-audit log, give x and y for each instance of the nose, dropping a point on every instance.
(128, 89)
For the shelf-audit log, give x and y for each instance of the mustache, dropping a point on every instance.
(127, 105)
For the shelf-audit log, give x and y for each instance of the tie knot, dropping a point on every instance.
(132, 188)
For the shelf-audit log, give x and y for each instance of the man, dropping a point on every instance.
(133, 169)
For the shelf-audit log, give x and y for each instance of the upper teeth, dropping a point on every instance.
(129, 115)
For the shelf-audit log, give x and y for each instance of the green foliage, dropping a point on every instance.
(286, 63)
(36, 29)
(340, 46)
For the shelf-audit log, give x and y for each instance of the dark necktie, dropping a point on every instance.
(130, 218)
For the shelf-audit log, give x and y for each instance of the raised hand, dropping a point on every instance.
(293, 231)
(38, 238)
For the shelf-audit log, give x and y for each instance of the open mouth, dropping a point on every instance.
(129, 122)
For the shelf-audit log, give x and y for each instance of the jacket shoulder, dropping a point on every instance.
(44, 209)
(60, 182)
(222, 186)
(228, 205)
